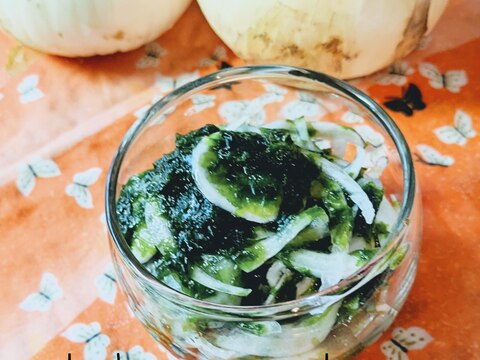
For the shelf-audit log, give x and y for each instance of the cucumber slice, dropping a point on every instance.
(172, 281)
(364, 256)
(219, 273)
(153, 233)
(329, 268)
(398, 256)
(355, 192)
(221, 268)
(235, 197)
(341, 217)
(255, 255)
(260, 233)
(318, 229)
(159, 228)
(210, 282)
(143, 246)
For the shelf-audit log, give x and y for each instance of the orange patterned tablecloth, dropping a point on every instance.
(60, 117)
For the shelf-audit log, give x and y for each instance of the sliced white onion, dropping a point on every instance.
(353, 169)
(210, 282)
(356, 193)
(329, 268)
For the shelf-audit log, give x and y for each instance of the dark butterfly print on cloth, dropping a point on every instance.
(228, 86)
(410, 101)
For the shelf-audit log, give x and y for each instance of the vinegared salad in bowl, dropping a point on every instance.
(264, 212)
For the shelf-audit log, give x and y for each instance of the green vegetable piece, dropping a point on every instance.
(153, 233)
(398, 256)
(158, 227)
(260, 233)
(351, 305)
(364, 255)
(255, 255)
(299, 130)
(385, 217)
(130, 204)
(373, 189)
(341, 217)
(244, 191)
(349, 185)
(261, 328)
(220, 274)
(221, 268)
(318, 229)
(142, 245)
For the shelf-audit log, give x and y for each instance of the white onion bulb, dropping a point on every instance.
(344, 38)
(88, 27)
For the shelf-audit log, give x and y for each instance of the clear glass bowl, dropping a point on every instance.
(305, 328)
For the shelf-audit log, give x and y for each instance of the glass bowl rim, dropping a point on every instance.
(257, 72)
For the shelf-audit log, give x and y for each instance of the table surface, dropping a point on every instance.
(75, 111)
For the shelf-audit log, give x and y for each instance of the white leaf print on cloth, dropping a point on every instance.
(350, 117)
(151, 58)
(404, 340)
(241, 112)
(79, 188)
(106, 285)
(135, 353)
(376, 160)
(35, 168)
(28, 89)
(452, 80)
(460, 132)
(396, 74)
(96, 343)
(200, 103)
(307, 105)
(369, 135)
(161, 117)
(274, 93)
(42, 299)
(432, 157)
(167, 84)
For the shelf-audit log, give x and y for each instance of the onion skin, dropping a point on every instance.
(343, 38)
(88, 27)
